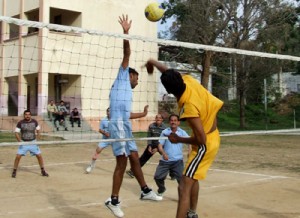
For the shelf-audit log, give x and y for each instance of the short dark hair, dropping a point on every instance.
(173, 115)
(173, 82)
(62, 101)
(27, 111)
(132, 70)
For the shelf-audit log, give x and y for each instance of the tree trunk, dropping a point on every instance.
(206, 68)
(242, 109)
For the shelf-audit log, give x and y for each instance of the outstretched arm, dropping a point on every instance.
(126, 46)
(141, 114)
(151, 63)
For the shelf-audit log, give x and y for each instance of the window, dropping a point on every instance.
(14, 29)
(65, 17)
(32, 15)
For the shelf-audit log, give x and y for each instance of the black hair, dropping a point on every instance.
(132, 70)
(27, 111)
(173, 115)
(173, 82)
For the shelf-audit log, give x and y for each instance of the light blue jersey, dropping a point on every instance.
(174, 151)
(104, 125)
(120, 108)
(121, 96)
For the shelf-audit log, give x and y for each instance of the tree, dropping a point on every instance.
(230, 23)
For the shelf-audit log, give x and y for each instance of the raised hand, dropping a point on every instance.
(125, 23)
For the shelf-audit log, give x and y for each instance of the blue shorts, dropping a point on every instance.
(104, 144)
(33, 149)
(120, 129)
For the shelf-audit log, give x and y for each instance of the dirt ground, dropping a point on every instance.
(253, 176)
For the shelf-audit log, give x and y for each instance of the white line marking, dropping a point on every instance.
(251, 174)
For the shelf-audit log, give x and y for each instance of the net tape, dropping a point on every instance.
(63, 28)
(222, 134)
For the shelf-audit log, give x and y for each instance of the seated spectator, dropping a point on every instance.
(60, 118)
(62, 108)
(75, 117)
(52, 110)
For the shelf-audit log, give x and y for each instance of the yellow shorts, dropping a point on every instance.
(202, 156)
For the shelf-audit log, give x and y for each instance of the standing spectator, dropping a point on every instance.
(52, 110)
(120, 127)
(172, 156)
(62, 108)
(199, 108)
(154, 130)
(60, 118)
(75, 117)
(28, 130)
(103, 129)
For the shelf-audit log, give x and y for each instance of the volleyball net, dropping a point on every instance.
(42, 62)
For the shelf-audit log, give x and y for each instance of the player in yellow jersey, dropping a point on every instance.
(199, 108)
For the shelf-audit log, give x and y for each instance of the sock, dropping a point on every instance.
(192, 212)
(114, 200)
(146, 189)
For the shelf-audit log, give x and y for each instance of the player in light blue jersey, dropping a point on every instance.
(103, 129)
(120, 128)
(171, 161)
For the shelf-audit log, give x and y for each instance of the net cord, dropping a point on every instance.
(79, 30)
(222, 134)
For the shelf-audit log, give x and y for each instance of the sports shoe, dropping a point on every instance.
(115, 209)
(150, 196)
(191, 214)
(161, 193)
(14, 174)
(130, 173)
(44, 173)
(91, 166)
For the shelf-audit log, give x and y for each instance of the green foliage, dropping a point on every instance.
(256, 118)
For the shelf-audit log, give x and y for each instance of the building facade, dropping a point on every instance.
(38, 65)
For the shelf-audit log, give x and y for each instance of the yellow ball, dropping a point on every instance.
(154, 12)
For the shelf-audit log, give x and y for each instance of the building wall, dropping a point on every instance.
(89, 62)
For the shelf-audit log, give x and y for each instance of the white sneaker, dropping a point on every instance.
(115, 209)
(91, 167)
(151, 196)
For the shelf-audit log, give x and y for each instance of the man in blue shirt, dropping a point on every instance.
(103, 129)
(172, 157)
(120, 128)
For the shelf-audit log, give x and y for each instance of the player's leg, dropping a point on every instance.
(136, 168)
(22, 150)
(143, 159)
(113, 202)
(16, 164)
(95, 156)
(176, 170)
(145, 156)
(147, 193)
(184, 192)
(41, 163)
(35, 150)
(194, 201)
(160, 175)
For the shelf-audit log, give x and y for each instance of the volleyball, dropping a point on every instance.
(154, 12)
